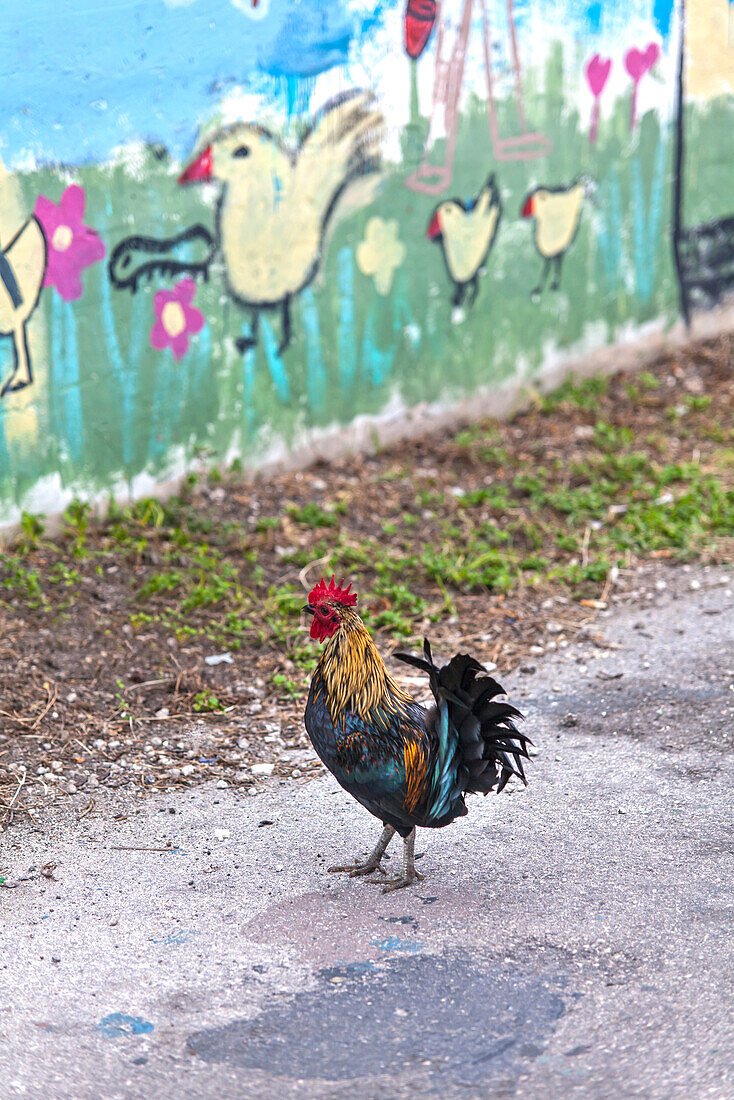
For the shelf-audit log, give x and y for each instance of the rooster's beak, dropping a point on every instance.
(434, 229)
(527, 210)
(308, 609)
(199, 169)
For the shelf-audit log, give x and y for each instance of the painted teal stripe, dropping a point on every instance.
(72, 398)
(56, 368)
(248, 390)
(275, 363)
(378, 363)
(123, 373)
(347, 343)
(316, 376)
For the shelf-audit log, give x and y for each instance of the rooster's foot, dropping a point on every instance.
(354, 870)
(403, 880)
(409, 875)
(374, 859)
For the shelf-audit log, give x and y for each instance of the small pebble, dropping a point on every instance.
(262, 769)
(222, 784)
(188, 769)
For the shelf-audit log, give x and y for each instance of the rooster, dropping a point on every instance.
(407, 765)
(277, 204)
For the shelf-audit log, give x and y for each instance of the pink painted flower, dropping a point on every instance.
(637, 63)
(597, 73)
(176, 319)
(71, 245)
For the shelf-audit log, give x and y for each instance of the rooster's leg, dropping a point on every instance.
(409, 874)
(372, 863)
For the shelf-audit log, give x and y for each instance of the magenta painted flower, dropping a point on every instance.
(637, 63)
(176, 318)
(597, 73)
(71, 245)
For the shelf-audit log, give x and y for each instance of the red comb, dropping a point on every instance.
(332, 591)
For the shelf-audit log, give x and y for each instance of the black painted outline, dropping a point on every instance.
(162, 266)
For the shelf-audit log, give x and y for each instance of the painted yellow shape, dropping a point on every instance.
(28, 259)
(381, 252)
(709, 48)
(275, 207)
(467, 235)
(26, 254)
(556, 216)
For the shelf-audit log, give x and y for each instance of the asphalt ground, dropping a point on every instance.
(571, 939)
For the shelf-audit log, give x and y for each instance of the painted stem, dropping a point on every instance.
(633, 106)
(414, 108)
(594, 128)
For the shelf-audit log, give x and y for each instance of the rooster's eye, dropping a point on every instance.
(243, 151)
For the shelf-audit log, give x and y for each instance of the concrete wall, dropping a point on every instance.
(229, 228)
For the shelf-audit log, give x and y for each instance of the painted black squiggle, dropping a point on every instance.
(137, 258)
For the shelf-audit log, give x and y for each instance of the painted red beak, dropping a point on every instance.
(434, 229)
(199, 169)
(527, 210)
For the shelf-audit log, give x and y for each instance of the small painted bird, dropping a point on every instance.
(466, 232)
(408, 765)
(557, 212)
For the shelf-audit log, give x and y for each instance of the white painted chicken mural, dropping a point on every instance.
(292, 215)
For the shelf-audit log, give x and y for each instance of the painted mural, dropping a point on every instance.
(244, 221)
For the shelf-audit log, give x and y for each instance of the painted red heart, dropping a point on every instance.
(638, 62)
(597, 73)
(420, 15)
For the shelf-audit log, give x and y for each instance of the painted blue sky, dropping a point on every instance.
(82, 76)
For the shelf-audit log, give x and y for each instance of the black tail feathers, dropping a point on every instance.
(492, 747)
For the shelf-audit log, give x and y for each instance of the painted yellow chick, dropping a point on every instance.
(466, 233)
(277, 204)
(557, 213)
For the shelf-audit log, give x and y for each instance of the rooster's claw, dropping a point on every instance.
(398, 883)
(354, 870)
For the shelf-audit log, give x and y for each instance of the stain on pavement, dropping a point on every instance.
(467, 1019)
